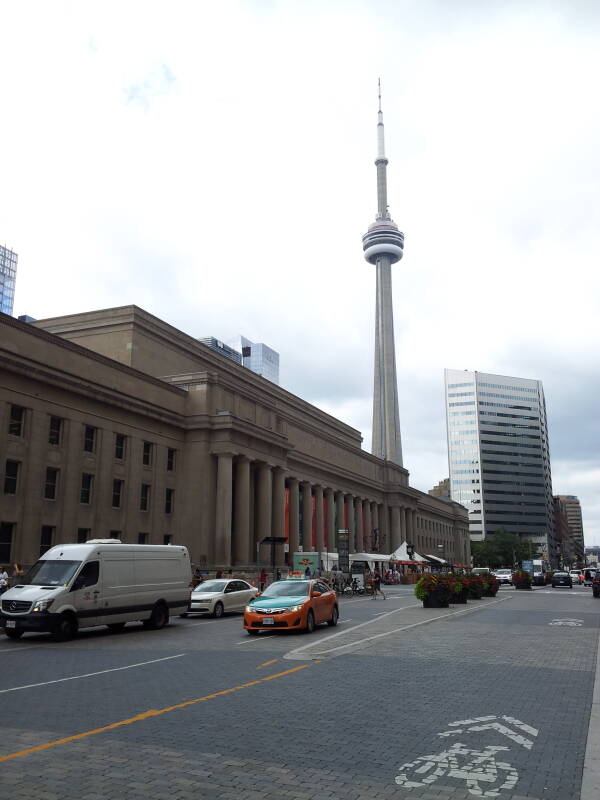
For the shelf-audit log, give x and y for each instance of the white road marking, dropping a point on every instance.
(90, 674)
(18, 649)
(358, 643)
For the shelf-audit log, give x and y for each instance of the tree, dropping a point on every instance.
(502, 549)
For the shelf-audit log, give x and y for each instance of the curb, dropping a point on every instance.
(590, 783)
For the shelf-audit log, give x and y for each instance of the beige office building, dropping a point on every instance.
(115, 424)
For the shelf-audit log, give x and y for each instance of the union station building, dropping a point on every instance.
(115, 424)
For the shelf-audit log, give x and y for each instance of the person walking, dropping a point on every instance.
(3, 580)
(376, 583)
(262, 579)
(18, 574)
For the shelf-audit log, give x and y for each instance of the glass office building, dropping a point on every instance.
(220, 347)
(498, 454)
(8, 278)
(260, 359)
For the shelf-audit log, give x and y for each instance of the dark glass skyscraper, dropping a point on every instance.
(8, 277)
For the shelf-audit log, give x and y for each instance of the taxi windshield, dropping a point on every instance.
(211, 586)
(287, 589)
(51, 573)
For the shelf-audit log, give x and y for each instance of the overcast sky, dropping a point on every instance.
(212, 162)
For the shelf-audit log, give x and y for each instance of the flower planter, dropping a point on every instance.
(475, 593)
(460, 597)
(437, 600)
(490, 592)
(526, 587)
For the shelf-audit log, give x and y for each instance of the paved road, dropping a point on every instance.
(397, 702)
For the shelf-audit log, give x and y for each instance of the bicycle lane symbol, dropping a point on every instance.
(483, 775)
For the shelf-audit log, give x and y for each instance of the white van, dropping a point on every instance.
(101, 582)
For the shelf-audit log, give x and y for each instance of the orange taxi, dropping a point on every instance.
(292, 604)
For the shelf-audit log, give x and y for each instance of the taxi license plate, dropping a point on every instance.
(10, 624)
(268, 621)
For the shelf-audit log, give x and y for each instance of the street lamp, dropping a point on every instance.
(274, 540)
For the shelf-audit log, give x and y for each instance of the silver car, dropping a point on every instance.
(220, 595)
(503, 575)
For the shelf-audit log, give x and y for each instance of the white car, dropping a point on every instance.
(220, 595)
(577, 576)
(503, 575)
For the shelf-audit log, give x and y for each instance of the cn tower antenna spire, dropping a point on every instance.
(383, 245)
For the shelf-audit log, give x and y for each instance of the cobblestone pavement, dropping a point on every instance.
(517, 674)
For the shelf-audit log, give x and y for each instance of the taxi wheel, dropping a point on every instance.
(310, 622)
(334, 617)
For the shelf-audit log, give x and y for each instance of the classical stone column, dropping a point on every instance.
(339, 514)
(384, 529)
(223, 509)
(410, 524)
(351, 524)
(403, 525)
(368, 531)
(319, 518)
(396, 528)
(241, 512)
(294, 512)
(375, 519)
(330, 526)
(264, 504)
(360, 526)
(278, 521)
(307, 517)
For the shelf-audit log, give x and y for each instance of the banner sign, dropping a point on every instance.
(342, 548)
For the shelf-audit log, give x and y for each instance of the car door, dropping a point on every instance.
(86, 594)
(235, 595)
(245, 593)
(322, 603)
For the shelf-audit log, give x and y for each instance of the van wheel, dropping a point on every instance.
(13, 634)
(159, 617)
(64, 628)
(115, 627)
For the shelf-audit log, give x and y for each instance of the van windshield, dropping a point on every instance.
(51, 573)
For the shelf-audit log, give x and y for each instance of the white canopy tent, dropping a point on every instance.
(401, 554)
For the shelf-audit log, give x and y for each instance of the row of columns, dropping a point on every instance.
(233, 527)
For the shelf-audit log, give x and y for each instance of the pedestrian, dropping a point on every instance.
(18, 574)
(307, 572)
(3, 580)
(278, 575)
(262, 579)
(376, 583)
(219, 573)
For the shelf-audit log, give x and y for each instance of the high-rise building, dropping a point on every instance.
(571, 507)
(8, 279)
(260, 359)
(220, 347)
(383, 245)
(441, 490)
(499, 457)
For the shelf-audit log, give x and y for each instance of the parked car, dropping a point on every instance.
(576, 576)
(503, 575)
(588, 576)
(596, 585)
(218, 596)
(562, 579)
(292, 604)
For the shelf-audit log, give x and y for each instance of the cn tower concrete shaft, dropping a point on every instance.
(383, 245)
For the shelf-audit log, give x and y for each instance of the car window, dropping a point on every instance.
(211, 586)
(287, 589)
(321, 587)
(88, 575)
(239, 586)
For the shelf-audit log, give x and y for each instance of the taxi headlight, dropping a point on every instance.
(43, 605)
(296, 608)
(250, 609)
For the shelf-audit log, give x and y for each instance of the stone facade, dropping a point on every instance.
(115, 423)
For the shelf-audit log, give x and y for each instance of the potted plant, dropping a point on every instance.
(475, 587)
(521, 580)
(433, 591)
(491, 584)
(458, 588)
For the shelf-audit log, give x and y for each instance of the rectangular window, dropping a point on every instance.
(51, 483)
(171, 459)
(169, 500)
(16, 423)
(11, 474)
(83, 534)
(6, 535)
(145, 497)
(55, 430)
(115, 534)
(116, 493)
(120, 441)
(89, 439)
(142, 538)
(46, 538)
(87, 482)
(167, 538)
(147, 456)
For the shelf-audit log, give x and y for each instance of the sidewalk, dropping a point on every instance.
(590, 784)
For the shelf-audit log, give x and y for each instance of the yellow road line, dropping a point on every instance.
(148, 714)
(266, 664)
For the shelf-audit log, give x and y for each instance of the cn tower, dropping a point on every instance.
(383, 245)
